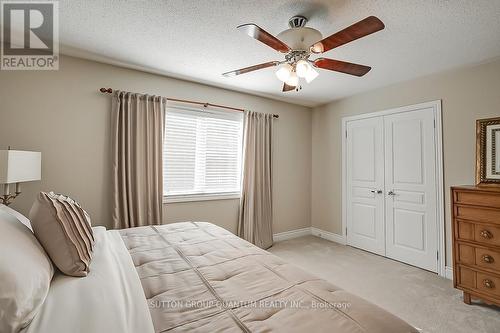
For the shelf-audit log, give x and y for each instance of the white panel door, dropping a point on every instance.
(410, 185)
(365, 181)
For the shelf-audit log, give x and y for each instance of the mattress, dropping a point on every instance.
(199, 277)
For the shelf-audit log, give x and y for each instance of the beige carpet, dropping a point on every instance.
(421, 298)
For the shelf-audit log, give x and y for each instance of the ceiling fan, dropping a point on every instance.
(300, 42)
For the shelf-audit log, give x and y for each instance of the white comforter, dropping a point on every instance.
(110, 299)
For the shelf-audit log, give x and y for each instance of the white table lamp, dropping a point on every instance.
(17, 167)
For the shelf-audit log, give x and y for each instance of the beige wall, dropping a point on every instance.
(62, 114)
(467, 94)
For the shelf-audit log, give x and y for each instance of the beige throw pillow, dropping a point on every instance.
(63, 228)
(25, 273)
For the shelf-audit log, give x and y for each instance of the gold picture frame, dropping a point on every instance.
(488, 151)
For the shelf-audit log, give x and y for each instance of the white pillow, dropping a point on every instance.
(23, 219)
(25, 273)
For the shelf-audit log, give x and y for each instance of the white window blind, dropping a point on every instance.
(202, 152)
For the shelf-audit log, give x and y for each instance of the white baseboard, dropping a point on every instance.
(281, 236)
(328, 236)
(448, 272)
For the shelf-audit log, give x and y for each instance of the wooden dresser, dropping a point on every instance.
(476, 242)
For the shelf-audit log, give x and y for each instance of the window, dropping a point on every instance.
(202, 154)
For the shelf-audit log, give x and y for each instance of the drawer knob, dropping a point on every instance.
(486, 234)
(488, 284)
(488, 259)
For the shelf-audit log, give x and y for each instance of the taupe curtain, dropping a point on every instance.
(256, 207)
(138, 126)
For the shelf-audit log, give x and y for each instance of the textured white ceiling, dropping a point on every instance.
(197, 39)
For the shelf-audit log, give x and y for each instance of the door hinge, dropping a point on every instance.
(346, 231)
(434, 123)
(346, 134)
(437, 255)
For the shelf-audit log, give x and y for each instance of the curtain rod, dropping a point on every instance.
(109, 91)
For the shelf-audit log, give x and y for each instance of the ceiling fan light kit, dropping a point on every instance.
(299, 42)
(311, 75)
(302, 67)
(283, 72)
(293, 79)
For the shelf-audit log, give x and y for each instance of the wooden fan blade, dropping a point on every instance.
(251, 68)
(341, 66)
(263, 36)
(286, 87)
(363, 28)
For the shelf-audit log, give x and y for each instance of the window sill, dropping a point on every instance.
(200, 197)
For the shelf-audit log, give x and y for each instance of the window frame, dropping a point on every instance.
(194, 197)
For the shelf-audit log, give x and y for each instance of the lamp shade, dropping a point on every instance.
(302, 68)
(293, 80)
(18, 166)
(311, 75)
(283, 73)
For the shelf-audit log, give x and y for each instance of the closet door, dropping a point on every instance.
(410, 184)
(365, 181)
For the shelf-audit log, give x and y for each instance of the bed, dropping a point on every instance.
(195, 276)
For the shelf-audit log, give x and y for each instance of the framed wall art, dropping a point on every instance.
(488, 151)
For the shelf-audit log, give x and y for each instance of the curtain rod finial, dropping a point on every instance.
(106, 90)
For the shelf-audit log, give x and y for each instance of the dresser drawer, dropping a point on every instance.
(479, 281)
(477, 198)
(479, 214)
(480, 233)
(487, 258)
(488, 283)
(479, 256)
(487, 234)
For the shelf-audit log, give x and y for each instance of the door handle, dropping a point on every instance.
(376, 191)
(391, 193)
